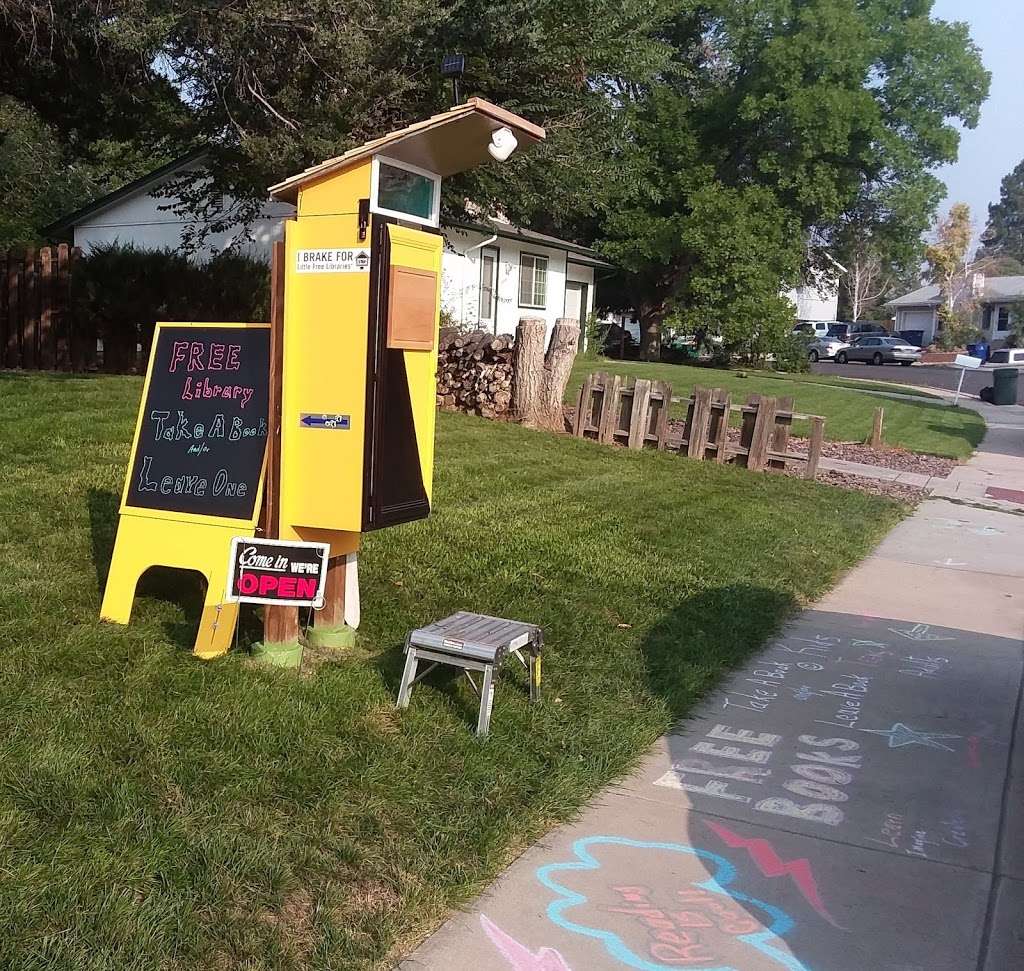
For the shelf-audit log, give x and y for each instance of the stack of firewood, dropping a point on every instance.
(474, 372)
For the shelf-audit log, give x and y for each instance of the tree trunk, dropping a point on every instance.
(650, 337)
(565, 340)
(527, 368)
(539, 379)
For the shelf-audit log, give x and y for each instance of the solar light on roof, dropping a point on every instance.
(453, 66)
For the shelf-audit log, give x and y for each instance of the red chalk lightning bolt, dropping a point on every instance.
(768, 862)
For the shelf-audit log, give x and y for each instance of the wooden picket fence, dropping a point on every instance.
(37, 327)
(611, 409)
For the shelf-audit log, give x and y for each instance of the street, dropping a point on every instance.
(926, 375)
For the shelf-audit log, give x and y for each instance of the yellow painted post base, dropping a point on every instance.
(143, 543)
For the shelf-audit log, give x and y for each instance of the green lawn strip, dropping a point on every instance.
(919, 426)
(158, 811)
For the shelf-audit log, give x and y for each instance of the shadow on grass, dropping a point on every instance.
(690, 649)
(103, 506)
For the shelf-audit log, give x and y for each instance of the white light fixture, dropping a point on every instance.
(503, 144)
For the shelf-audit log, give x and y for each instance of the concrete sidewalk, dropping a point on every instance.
(851, 800)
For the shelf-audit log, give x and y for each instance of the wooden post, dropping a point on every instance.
(62, 300)
(638, 414)
(13, 313)
(877, 440)
(700, 423)
(610, 409)
(3, 308)
(280, 623)
(780, 434)
(764, 424)
(721, 431)
(29, 313)
(332, 614)
(814, 447)
(660, 429)
(47, 348)
(583, 406)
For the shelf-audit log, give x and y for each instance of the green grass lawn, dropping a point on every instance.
(920, 426)
(157, 811)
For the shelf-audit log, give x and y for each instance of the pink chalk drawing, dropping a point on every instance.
(771, 864)
(519, 956)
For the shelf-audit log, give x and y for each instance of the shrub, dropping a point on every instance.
(791, 354)
(120, 292)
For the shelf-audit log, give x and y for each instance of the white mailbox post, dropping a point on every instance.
(966, 363)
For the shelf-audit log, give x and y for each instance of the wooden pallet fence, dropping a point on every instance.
(37, 330)
(634, 415)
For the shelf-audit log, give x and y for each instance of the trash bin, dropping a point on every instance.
(1004, 386)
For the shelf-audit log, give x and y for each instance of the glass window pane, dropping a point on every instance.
(488, 266)
(404, 191)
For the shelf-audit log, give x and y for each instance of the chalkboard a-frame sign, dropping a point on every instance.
(201, 437)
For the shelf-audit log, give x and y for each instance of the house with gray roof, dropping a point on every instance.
(917, 312)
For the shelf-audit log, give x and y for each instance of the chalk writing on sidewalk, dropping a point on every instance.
(518, 955)
(771, 864)
(900, 735)
(703, 921)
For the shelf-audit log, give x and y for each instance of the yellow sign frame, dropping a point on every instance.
(188, 541)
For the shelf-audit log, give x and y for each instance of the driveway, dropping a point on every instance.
(926, 375)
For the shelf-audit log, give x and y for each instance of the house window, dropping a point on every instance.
(533, 280)
(1003, 321)
(488, 284)
(986, 318)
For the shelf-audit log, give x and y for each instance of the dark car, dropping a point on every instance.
(849, 331)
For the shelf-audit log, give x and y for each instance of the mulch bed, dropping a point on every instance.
(874, 487)
(889, 458)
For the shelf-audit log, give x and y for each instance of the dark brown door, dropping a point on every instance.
(393, 490)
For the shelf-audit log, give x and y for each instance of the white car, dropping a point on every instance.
(824, 348)
(813, 328)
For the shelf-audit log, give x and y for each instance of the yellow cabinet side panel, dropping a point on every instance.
(421, 251)
(338, 194)
(325, 334)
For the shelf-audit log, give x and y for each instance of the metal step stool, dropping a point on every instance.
(473, 642)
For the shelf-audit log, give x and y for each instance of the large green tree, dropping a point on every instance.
(83, 109)
(776, 113)
(1004, 235)
(879, 240)
(274, 87)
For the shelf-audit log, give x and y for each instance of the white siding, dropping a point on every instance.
(815, 302)
(460, 293)
(148, 221)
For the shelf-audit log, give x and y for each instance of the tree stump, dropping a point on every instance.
(539, 379)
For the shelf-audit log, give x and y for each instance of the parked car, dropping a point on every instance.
(824, 348)
(812, 328)
(880, 350)
(847, 331)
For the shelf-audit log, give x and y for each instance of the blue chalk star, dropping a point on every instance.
(901, 734)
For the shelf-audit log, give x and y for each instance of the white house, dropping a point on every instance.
(493, 272)
(918, 311)
(818, 300)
